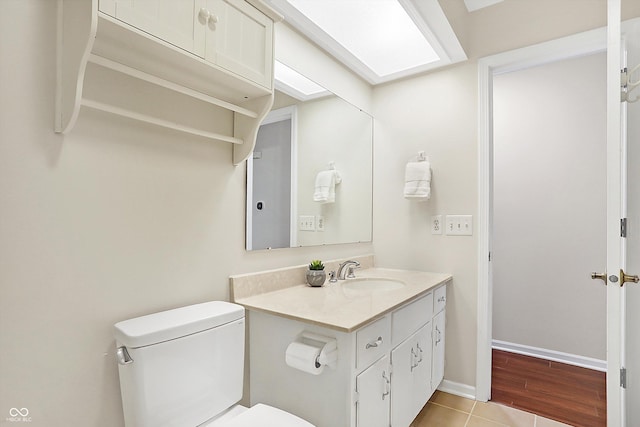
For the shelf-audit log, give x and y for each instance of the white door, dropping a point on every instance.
(631, 34)
(437, 373)
(631, 256)
(623, 239)
(374, 387)
(411, 379)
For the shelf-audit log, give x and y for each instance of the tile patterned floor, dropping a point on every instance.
(447, 410)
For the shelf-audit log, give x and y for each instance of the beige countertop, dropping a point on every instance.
(334, 307)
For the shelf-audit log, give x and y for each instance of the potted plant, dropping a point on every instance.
(315, 274)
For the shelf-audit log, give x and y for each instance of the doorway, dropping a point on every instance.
(549, 211)
(621, 394)
(570, 47)
(271, 183)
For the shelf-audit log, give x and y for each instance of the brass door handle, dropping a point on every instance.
(625, 278)
(601, 276)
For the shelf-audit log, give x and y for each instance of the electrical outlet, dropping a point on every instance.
(436, 224)
(306, 223)
(320, 223)
(459, 225)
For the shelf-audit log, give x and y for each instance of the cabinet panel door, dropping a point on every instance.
(422, 388)
(411, 379)
(174, 21)
(438, 349)
(403, 359)
(242, 41)
(373, 387)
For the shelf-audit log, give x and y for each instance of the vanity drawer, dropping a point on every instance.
(440, 299)
(372, 342)
(410, 318)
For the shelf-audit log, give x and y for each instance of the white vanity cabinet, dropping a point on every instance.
(385, 373)
(231, 34)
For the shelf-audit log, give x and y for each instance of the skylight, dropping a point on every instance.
(377, 32)
(381, 40)
(294, 84)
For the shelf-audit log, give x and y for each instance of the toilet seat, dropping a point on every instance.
(262, 415)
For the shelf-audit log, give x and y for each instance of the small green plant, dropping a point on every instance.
(316, 264)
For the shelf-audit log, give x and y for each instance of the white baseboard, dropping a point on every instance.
(462, 390)
(556, 356)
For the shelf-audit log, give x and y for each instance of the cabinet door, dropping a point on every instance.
(411, 379)
(373, 387)
(242, 41)
(174, 21)
(438, 349)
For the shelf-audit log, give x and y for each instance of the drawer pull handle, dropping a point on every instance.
(386, 386)
(376, 343)
(442, 299)
(420, 350)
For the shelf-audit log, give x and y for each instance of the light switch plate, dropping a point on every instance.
(459, 225)
(306, 223)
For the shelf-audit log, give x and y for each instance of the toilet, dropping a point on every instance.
(185, 367)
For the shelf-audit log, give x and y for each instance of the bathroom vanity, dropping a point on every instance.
(390, 347)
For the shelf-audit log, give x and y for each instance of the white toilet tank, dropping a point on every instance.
(181, 367)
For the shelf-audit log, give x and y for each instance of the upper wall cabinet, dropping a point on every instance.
(216, 51)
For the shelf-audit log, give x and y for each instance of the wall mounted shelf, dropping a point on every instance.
(237, 77)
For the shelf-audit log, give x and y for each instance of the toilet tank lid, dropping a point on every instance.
(171, 324)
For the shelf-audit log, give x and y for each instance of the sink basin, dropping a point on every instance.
(372, 284)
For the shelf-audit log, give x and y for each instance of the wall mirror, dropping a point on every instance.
(309, 132)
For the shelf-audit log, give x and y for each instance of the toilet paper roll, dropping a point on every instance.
(304, 357)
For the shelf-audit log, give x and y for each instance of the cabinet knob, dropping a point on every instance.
(206, 17)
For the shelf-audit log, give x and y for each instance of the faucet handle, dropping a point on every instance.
(350, 269)
(332, 277)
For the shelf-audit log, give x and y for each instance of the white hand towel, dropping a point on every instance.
(417, 180)
(325, 191)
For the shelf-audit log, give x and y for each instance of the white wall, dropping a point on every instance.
(435, 113)
(115, 220)
(550, 206)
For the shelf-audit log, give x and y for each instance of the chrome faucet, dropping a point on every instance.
(351, 265)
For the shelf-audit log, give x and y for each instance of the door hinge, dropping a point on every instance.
(356, 396)
(489, 256)
(623, 377)
(623, 227)
(624, 85)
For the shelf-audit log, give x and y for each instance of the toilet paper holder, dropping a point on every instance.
(328, 355)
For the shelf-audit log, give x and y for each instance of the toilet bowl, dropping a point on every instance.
(184, 368)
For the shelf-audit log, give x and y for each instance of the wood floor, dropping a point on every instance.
(569, 394)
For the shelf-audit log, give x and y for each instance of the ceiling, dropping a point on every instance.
(380, 40)
(473, 5)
